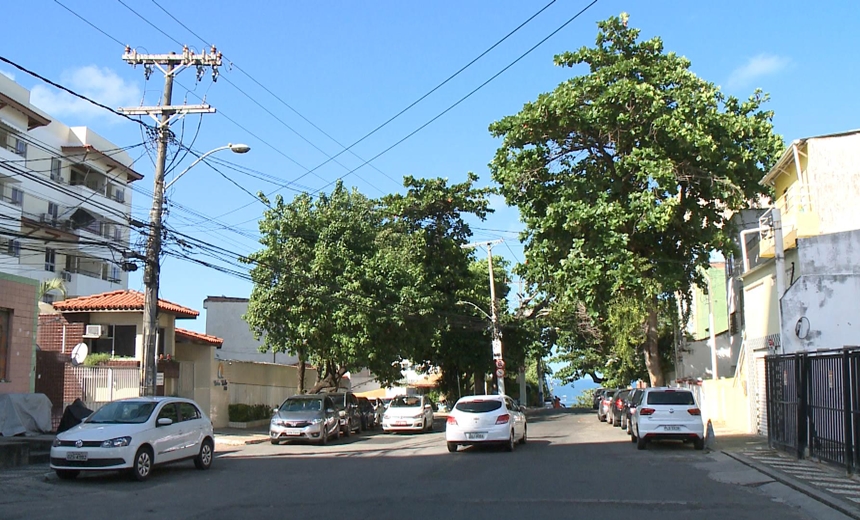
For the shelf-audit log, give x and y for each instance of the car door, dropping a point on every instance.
(192, 430)
(516, 416)
(166, 440)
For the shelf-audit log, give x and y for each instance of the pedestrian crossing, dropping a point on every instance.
(812, 473)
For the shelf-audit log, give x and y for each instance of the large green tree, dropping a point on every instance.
(626, 175)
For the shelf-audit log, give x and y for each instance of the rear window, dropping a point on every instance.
(669, 397)
(478, 406)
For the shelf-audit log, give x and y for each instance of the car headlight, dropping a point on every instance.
(420, 415)
(342, 413)
(386, 417)
(278, 422)
(119, 442)
(317, 420)
(56, 442)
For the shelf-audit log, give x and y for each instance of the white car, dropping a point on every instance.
(408, 413)
(135, 434)
(486, 419)
(667, 413)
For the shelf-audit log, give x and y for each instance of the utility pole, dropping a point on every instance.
(494, 317)
(521, 374)
(164, 114)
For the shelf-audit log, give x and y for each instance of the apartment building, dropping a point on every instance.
(65, 199)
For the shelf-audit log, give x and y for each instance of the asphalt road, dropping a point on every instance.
(572, 467)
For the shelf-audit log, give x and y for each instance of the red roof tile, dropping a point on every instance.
(197, 337)
(120, 301)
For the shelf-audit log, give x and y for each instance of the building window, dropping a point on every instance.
(50, 259)
(117, 234)
(53, 211)
(5, 338)
(17, 197)
(56, 166)
(13, 248)
(119, 195)
(48, 298)
(20, 147)
(114, 274)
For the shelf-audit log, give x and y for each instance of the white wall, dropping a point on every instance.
(224, 320)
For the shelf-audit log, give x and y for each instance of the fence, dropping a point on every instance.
(813, 405)
(101, 385)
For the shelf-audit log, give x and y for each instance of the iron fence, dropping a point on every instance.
(813, 405)
(101, 385)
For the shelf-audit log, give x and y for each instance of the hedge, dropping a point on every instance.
(248, 413)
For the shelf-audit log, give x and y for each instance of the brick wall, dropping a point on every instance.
(50, 336)
(18, 297)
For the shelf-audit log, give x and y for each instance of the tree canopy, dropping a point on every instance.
(625, 177)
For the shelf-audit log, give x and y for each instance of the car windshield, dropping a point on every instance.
(671, 397)
(301, 405)
(337, 399)
(406, 402)
(479, 406)
(123, 412)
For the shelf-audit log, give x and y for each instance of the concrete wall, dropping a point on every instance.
(224, 320)
(202, 357)
(820, 309)
(724, 402)
(18, 300)
(696, 362)
(833, 172)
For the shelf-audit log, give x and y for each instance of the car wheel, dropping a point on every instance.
(203, 460)
(275, 441)
(640, 443)
(142, 464)
(509, 447)
(337, 433)
(67, 474)
(525, 434)
(452, 447)
(323, 436)
(699, 444)
(347, 431)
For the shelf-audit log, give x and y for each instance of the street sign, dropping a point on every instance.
(500, 372)
(497, 349)
(500, 363)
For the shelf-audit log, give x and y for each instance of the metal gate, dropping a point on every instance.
(101, 385)
(814, 405)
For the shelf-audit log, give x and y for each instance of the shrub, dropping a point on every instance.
(247, 413)
(96, 359)
(585, 399)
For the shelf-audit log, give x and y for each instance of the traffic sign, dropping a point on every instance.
(500, 372)
(500, 363)
(497, 349)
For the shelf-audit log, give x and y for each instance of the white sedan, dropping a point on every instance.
(486, 419)
(135, 434)
(408, 413)
(667, 413)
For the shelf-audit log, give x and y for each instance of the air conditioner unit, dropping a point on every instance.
(67, 276)
(94, 331)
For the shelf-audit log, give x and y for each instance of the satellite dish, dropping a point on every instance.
(79, 353)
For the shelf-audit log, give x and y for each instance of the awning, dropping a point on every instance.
(378, 393)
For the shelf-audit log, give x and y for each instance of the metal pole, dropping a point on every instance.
(497, 334)
(712, 326)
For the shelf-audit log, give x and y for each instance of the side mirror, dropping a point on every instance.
(275, 410)
(164, 421)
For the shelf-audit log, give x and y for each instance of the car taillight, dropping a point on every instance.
(451, 420)
(646, 411)
(694, 411)
(503, 419)
(619, 404)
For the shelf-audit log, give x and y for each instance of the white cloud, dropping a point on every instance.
(757, 67)
(97, 83)
(7, 74)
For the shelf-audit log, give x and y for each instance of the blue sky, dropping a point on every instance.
(349, 66)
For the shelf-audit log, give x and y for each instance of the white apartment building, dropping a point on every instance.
(65, 199)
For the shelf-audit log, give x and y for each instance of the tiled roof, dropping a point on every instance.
(127, 300)
(197, 337)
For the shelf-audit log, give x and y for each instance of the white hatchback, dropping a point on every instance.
(135, 434)
(408, 413)
(667, 413)
(486, 419)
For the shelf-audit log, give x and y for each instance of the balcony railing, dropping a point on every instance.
(799, 219)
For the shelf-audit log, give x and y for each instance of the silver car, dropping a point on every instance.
(305, 417)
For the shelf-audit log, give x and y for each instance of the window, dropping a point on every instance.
(188, 411)
(53, 211)
(479, 406)
(20, 147)
(17, 197)
(671, 397)
(13, 248)
(50, 259)
(169, 412)
(56, 166)
(5, 338)
(124, 339)
(114, 274)
(119, 194)
(48, 298)
(117, 234)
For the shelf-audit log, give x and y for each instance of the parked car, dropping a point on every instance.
(603, 409)
(598, 397)
(305, 417)
(668, 413)
(408, 412)
(486, 419)
(630, 404)
(135, 434)
(367, 413)
(346, 404)
(616, 408)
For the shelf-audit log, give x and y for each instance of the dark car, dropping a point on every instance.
(598, 396)
(616, 409)
(630, 403)
(346, 404)
(367, 413)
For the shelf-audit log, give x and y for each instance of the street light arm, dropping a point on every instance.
(237, 148)
(463, 302)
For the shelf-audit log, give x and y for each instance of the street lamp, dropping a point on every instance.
(152, 270)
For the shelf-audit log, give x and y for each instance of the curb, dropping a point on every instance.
(797, 485)
(240, 442)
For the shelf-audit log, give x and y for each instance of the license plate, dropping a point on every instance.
(672, 428)
(476, 436)
(400, 423)
(293, 431)
(76, 455)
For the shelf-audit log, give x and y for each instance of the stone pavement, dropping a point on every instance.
(826, 483)
(240, 437)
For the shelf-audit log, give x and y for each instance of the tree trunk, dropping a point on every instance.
(331, 379)
(301, 372)
(480, 388)
(652, 347)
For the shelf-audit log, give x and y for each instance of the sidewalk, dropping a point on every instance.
(240, 436)
(825, 483)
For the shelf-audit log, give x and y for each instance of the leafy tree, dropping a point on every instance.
(625, 177)
(51, 285)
